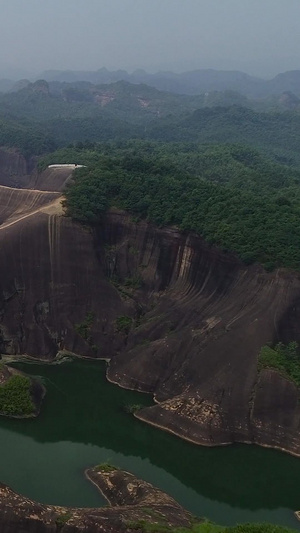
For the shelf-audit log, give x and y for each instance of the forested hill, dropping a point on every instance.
(277, 134)
(197, 168)
(191, 82)
(36, 120)
(230, 194)
(26, 136)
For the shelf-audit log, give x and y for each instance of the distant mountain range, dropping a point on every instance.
(189, 83)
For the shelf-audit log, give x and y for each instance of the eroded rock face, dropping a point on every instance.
(210, 317)
(52, 280)
(199, 316)
(131, 501)
(14, 168)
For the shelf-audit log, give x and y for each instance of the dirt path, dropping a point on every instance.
(52, 208)
(29, 190)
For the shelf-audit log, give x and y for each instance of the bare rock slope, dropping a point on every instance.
(196, 348)
(132, 502)
(177, 318)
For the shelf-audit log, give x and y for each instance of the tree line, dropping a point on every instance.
(231, 195)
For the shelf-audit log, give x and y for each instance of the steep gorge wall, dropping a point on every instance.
(50, 282)
(199, 316)
(196, 347)
(51, 279)
(15, 169)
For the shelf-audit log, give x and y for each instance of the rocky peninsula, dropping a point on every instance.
(133, 504)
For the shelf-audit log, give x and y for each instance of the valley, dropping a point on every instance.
(195, 318)
(176, 262)
(149, 266)
(227, 484)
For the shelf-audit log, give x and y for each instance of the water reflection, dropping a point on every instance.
(83, 422)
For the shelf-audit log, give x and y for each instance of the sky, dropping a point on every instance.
(260, 37)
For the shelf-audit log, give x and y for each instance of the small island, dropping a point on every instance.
(20, 395)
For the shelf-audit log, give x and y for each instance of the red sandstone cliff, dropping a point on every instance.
(199, 316)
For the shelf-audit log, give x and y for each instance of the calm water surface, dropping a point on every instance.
(83, 423)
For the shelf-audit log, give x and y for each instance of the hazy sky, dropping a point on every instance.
(257, 36)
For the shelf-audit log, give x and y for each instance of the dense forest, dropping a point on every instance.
(29, 138)
(215, 164)
(276, 134)
(229, 194)
(42, 117)
(209, 163)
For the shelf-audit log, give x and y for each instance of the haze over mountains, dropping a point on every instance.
(190, 83)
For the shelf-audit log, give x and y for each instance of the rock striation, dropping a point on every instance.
(195, 317)
(14, 168)
(208, 317)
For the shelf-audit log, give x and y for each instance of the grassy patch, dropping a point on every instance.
(126, 287)
(15, 397)
(134, 282)
(106, 467)
(148, 527)
(62, 519)
(144, 319)
(161, 527)
(83, 329)
(283, 358)
(206, 527)
(123, 324)
(256, 528)
(133, 250)
(120, 288)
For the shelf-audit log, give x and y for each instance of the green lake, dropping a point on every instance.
(83, 423)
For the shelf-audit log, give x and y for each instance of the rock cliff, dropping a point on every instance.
(14, 168)
(195, 317)
(132, 503)
(196, 346)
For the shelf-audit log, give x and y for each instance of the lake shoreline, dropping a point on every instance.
(85, 425)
